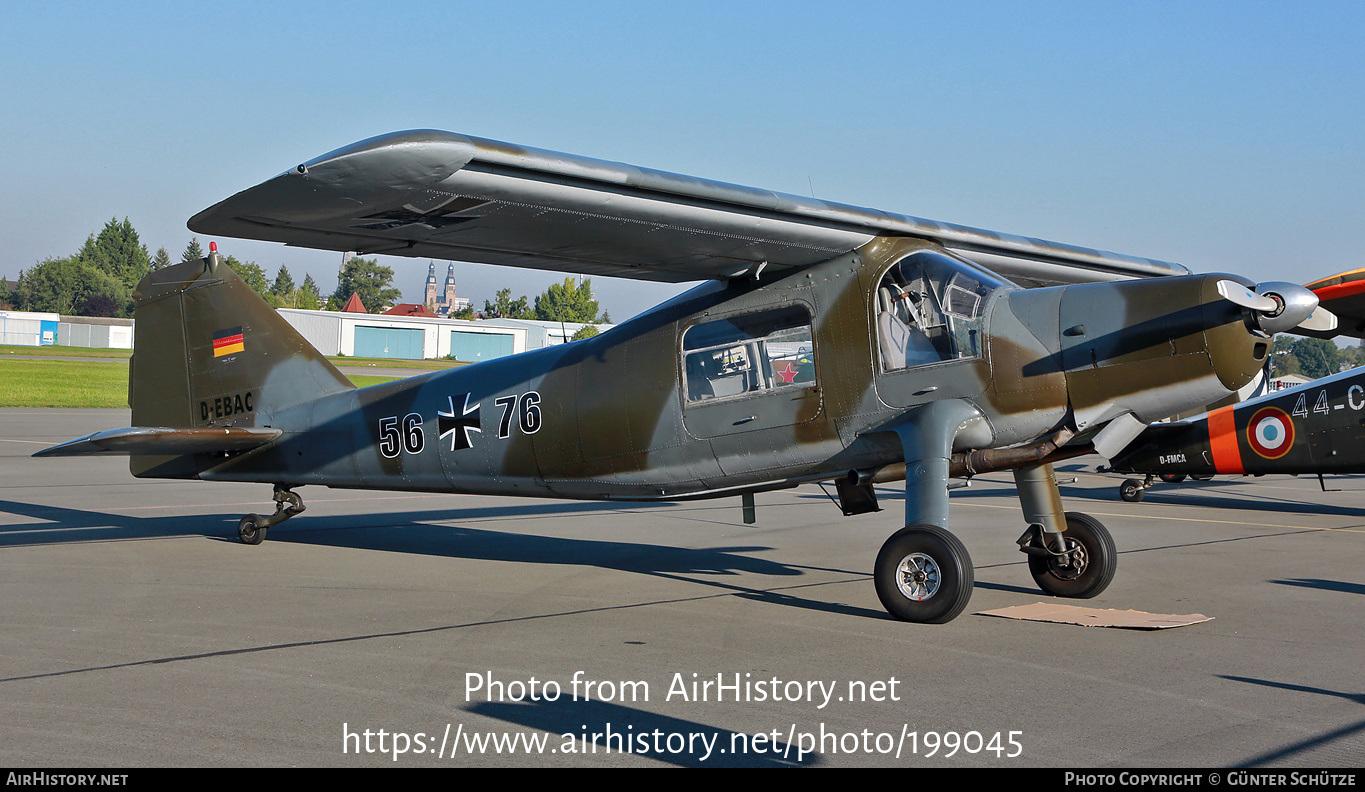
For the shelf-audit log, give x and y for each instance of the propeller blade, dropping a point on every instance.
(1321, 321)
(1238, 294)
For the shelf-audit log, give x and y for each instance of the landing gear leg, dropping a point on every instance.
(923, 573)
(1070, 554)
(251, 528)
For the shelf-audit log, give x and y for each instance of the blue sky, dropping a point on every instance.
(1224, 136)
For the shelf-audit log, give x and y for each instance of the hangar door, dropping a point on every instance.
(478, 347)
(388, 342)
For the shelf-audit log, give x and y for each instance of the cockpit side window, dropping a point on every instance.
(929, 308)
(747, 355)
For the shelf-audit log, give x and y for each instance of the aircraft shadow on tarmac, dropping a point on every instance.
(439, 533)
(1211, 494)
(1187, 494)
(1343, 734)
(56, 524)
(1184, 496)
(446, 538)
(605, 728)
(1324, 585)
(1216, 494)
(1207, 494)
(1013, 589)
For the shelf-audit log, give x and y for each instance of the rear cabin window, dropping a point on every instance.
(747, 355)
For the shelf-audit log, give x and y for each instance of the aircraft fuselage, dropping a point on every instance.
(800, 386)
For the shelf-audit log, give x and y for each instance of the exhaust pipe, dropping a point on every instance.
(985, 460)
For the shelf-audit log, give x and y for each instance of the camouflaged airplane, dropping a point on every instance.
(828, 343)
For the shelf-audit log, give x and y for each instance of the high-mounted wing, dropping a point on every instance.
(432, 194)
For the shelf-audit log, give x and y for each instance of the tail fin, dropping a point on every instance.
(209, 352)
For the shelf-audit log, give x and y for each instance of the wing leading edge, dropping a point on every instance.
(433, 194)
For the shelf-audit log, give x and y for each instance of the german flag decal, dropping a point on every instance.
(226, 342)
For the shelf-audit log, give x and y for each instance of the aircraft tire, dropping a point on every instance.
(1131, 490)
(248, 532)
(1101, 560)
(924, 575)
(1172, 478)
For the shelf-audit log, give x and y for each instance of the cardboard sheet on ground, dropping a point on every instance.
(1095, 617)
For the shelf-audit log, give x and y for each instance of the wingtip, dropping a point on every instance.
(78, 447)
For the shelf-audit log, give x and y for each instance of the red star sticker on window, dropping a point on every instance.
(786, 374)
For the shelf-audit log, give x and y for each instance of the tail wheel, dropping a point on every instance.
(923, 574)
(1131, 490)
(1088, 566)
(248, 532)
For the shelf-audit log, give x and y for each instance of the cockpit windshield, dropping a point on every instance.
(930, 308)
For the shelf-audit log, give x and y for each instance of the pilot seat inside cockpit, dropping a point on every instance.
(930, 309)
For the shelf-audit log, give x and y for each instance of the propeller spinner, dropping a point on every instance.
(1280, 307)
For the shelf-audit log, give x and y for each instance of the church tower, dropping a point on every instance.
(448, 298)
(429, 299)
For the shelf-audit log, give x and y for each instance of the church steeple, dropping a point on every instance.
(429, 298)
(448, 297)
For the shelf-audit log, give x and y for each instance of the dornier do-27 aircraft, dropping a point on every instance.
(829, 342)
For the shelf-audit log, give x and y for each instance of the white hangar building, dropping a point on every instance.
(417, 337)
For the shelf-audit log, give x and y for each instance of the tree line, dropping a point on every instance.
(99, 279)
(561, 302)
(1312, 357)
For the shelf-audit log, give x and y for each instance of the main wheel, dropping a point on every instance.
(1172, 478)
(924, 575)
(1090, 563)
(248, 532)
(1131, 490)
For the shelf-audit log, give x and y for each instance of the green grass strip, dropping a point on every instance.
(366, 380)
(62, 351)
(433, 364)
(436, 364)
(74, 383)
(62, 383)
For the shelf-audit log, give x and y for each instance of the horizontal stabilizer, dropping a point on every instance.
(155, 440)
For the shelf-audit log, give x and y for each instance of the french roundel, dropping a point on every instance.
(1271, 432)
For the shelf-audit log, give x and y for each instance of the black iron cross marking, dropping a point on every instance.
(402, 218)
(458, 425)
(444, 214)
